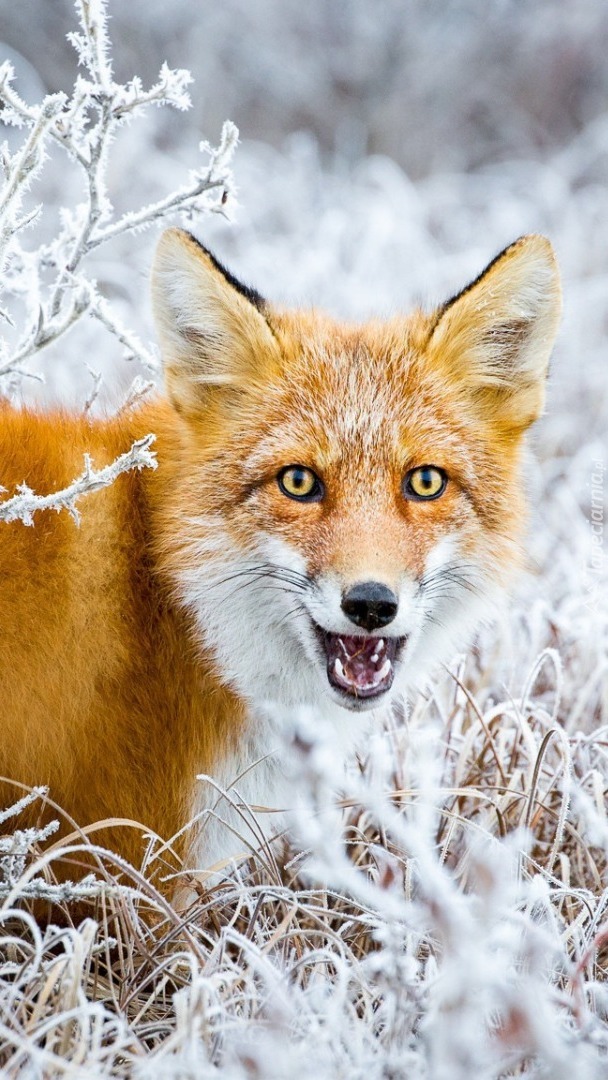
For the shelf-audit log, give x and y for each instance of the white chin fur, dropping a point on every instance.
(268, 653)
(261, 631)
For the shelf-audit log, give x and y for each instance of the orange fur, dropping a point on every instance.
(104, 697)
(108, 694)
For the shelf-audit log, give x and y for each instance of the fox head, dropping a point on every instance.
(351, 497)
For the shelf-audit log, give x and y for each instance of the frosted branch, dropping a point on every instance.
(134, 349)
(23, 505)
(85, 126)
(138, 390)
(22, 804)
(188, 199)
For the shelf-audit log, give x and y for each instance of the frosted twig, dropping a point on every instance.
(22, 804)
(23, 505)
(138, 390)
(85, 125)
(134, 349)
(88, 888)
(21, 169)
(186, 199)
(94, 394)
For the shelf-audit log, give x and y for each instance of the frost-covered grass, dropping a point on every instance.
(455, 925)
(457, 929)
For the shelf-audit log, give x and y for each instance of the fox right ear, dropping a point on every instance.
(494, 339)
(212, 330)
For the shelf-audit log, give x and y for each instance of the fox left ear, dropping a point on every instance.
(213, 331)
(495, 337)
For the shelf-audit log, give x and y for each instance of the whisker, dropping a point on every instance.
(261, 576)
(257, 584)
(435, 621)
(299, 609)
(458, 574)
(259, 572)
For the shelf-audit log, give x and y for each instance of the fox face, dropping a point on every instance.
(350, 499)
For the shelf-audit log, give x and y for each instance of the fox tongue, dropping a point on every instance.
(361, 666)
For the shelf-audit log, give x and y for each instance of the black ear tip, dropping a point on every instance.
(250, 294)
(533, 241)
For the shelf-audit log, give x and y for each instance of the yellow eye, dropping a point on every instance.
(425, 482)
(299, 482)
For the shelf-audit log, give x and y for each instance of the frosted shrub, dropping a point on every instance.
(52, 279)
(46, 289)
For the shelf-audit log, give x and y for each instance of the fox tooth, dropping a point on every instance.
(384, 670)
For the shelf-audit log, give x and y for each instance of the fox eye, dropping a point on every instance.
(299, 482)
(425, 482)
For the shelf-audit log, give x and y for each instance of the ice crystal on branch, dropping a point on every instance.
(23, 505)
(19, 848)
(53, 278)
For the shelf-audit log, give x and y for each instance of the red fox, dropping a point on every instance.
(334, 510)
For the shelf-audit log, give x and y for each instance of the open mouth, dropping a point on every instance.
(362, 667)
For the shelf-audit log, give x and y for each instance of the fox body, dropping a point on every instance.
(335, 508)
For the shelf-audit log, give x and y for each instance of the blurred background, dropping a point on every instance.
(389, 149)
(447, 85)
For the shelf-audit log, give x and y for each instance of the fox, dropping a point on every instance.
(336, 508)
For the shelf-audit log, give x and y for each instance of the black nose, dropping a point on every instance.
(370, 605)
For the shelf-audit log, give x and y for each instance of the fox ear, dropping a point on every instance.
(212, 329)
(495, 338)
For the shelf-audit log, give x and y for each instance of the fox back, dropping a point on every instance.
(334, 510)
